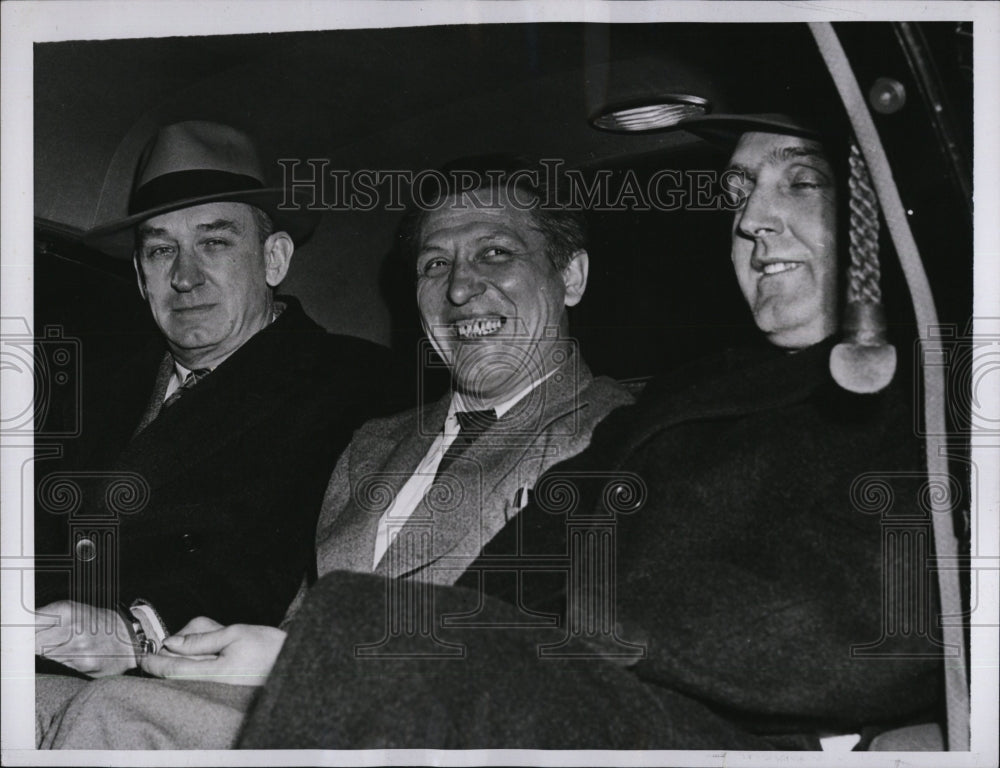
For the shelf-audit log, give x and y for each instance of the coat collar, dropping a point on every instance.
(743, 380)
(389, 450)
(229, 401)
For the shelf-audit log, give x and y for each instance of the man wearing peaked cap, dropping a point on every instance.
(735, 580)
(223, 433)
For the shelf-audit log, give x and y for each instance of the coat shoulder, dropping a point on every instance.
(400, 425)
(606, 393)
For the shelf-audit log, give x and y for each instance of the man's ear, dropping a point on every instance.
(139, 277)
(574, 277)
(278, 250)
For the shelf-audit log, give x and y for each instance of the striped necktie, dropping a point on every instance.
(471, 424)
(192, 378)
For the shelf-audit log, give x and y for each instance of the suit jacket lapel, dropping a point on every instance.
(351, 537)
(380, 465)
(187, 432)
(228, 402)
(487, 475)
(163, 374)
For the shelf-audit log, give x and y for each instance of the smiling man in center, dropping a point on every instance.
(493, 293)
(496, 267)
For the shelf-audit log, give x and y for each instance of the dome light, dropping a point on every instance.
(639, 117)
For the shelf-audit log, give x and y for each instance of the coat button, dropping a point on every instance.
(86, 550)
(187, 540)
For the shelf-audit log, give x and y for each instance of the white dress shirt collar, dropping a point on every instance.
(461, 403)
(412, 492)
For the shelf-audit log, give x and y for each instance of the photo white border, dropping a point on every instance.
(27, 22)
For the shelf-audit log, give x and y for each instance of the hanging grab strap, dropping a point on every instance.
(945, 541)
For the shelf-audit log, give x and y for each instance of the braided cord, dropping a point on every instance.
(864, 272)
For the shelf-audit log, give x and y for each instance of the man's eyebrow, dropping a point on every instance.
(428, 247)
(781, 154)
(224, 225)
(219, 225)
(147, 231)
(492, 234)
(497, 234)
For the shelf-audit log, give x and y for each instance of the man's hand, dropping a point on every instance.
(241, 654)
(198, 625)
(91, 640)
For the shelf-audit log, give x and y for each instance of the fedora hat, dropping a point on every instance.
(197, 162)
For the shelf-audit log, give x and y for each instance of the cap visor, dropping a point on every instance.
(727, 129)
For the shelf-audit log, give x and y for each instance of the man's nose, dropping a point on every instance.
(760, 216)
(464, 282)
(186, 273)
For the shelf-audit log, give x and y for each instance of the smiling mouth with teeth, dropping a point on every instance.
(778, 267)
(478, 327)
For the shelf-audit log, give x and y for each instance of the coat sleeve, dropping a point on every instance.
(338, 494)
(296, 603)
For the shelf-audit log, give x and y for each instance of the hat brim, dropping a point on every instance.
(117, 238)
(726, 129)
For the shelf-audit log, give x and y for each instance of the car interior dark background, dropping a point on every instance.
(661, 290)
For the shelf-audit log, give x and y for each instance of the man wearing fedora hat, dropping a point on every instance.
(204, 463)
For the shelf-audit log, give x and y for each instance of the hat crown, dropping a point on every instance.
(197, 162)
(198, 145)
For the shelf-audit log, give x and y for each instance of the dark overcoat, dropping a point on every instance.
(739, 561)
(211, 508)
(772, 537)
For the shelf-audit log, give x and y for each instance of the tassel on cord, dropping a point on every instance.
(864, 362)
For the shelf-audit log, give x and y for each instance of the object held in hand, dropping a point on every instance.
(145, 627)
(141, 643)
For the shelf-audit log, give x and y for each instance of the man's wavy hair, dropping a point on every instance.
(537, 188)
